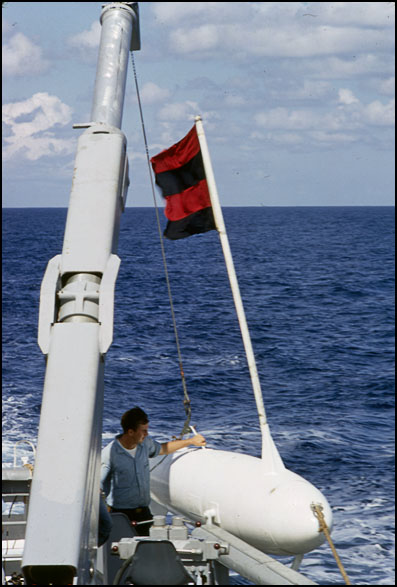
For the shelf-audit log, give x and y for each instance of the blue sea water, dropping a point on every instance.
(318, 290)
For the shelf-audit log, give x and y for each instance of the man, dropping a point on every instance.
(125, 476)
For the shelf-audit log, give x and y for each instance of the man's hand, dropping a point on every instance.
(168, 448)
(198, 440)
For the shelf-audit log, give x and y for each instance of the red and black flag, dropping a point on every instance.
(180, 176)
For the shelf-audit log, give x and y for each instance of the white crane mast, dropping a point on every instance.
(76, 329)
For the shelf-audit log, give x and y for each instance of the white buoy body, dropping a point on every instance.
(270, 511)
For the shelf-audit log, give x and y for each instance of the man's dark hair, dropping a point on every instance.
(132, 419)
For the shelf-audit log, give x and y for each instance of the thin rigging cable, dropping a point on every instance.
(186, 401)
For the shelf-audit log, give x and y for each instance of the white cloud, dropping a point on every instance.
(277, 29)
(284, 119)
(202, 38)
(287, 40)
(151, 93)
(286, 139)
(388, 86)
(235, 101)
(312, 89)
(379, 114)
(88, 39)
(172, 13)
(29, 125)
(344, 124)
(357, 13)
(352, 65)
(179, 111)
(293, 41)
(331, 138)
(346, 96)
(20, 56)
(173, 118)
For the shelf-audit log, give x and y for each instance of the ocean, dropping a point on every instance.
(318, 290)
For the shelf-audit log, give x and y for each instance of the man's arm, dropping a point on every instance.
(168, 448)
(106, 468)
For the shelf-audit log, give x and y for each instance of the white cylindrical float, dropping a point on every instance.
(270, 511)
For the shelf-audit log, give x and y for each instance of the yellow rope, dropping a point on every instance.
(318, 512)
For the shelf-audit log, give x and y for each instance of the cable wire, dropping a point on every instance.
(186, 400)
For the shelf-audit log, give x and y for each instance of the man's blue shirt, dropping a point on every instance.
(126, 479)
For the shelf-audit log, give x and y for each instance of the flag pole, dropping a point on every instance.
(270, 453)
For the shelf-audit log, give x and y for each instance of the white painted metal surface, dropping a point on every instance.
(100, 296)
(64, 499)
(118, 20)
(76, 329)
(254, 565)
(96, 201)
(48, 312)
(270, 511)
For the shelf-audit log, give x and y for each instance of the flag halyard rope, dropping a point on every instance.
(186, 400)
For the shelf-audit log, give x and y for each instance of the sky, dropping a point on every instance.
(297, 98)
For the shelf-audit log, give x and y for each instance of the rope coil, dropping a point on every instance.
(186, 401)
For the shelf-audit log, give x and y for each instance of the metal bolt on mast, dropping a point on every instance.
(76, 328)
